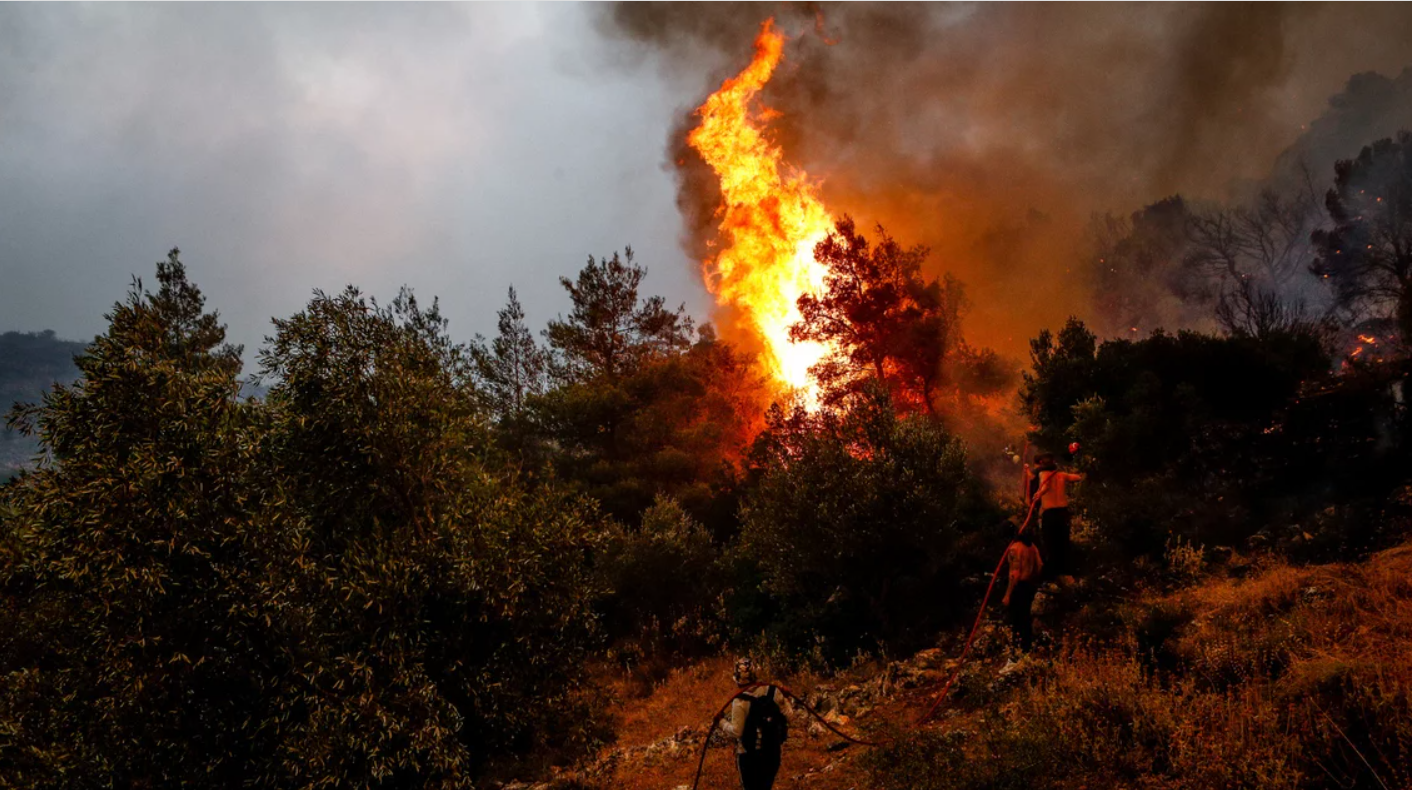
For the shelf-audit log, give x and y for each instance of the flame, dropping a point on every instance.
(771, 219)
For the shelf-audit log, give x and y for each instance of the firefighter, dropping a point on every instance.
(759, 724)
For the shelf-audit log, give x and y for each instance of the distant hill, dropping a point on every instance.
(30, 363)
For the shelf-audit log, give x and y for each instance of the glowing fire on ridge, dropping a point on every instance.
(770, 220)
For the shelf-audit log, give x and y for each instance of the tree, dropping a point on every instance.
(337, 586)
(145, 572)
(860, 522)
(675, 426)
(512, 369)
(662, 582)
(1254, 256)
(886, 324)
(1179, 433)
(640, 409)
(447, 604)
(1367, 256)
(611, 332)
(1139, 280)
(1267, 242)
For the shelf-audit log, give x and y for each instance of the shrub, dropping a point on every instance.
(333, 587)
(1184, 560)
(663, 581)
(856, 524)
(1216, 439)
(1099, 720)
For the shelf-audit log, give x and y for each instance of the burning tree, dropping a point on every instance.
(883, 322)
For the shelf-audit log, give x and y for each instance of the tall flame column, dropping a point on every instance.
(771, 218)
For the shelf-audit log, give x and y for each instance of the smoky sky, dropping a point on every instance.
(455, 149)
(463, 149)
(993, 133)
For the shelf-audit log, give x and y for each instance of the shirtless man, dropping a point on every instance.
(1053, 497)
(1025, 567)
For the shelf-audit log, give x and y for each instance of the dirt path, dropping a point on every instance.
(659, 736)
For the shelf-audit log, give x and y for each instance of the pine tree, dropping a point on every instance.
(512, 368)
(610, 332)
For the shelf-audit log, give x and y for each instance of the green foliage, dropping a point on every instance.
(611, 331)
(452, 595)
(143, 569)
(860, 525)
(639, 409)
(663, 581)
(336, 586)
(512, 369)
(1179, 433)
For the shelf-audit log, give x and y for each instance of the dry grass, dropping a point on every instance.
(1291, 678)
(1294, 677)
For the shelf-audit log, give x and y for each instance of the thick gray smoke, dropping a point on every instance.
(994, 133)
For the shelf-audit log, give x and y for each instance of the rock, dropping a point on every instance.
(928, 659)
(837, 719)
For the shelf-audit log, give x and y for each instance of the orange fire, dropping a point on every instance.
(770, 220)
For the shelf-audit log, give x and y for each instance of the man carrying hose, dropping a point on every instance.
(759, 723)
(1025, 566)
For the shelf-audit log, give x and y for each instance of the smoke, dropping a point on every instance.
(993, 133)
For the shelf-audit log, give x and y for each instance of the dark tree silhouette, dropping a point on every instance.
(1367, 255)
(1252, 256)
(1138, 277)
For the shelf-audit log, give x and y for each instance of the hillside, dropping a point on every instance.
(419, 562)
(1254, 673)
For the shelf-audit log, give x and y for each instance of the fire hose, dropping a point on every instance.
(720, 714)
(980, 615)
(960, 662)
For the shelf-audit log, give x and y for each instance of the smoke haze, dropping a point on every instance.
(457, 149)
(993, 133)
(463, 149)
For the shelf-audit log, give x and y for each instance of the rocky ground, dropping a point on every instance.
(660, 739)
